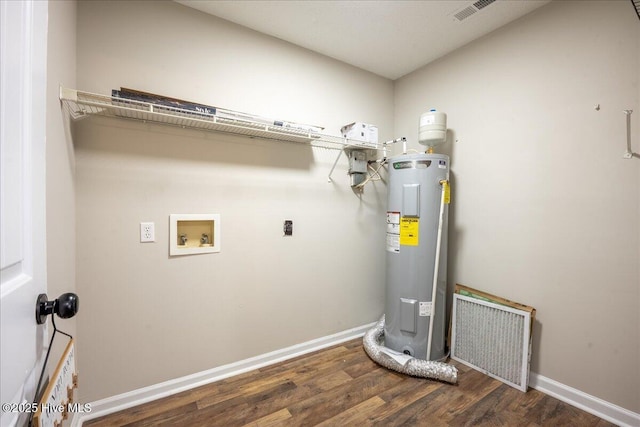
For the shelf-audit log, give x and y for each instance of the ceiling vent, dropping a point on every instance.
(481, 4)
(636, 4)
(471, 9)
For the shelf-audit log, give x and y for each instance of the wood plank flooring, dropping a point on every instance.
(341, 386)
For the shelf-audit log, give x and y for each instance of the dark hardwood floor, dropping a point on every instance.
(341, 386)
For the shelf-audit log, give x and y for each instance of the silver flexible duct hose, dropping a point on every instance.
(403, 363)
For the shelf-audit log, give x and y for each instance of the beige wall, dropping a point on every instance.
(61, 223)
(148, 318)
(545, 211)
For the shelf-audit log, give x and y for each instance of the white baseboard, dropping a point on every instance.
(133, 398)
(594, 405)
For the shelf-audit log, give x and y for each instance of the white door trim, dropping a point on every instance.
(23, 80)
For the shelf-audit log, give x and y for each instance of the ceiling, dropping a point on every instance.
(386, 37)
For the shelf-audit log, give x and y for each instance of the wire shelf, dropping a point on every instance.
(81, 104)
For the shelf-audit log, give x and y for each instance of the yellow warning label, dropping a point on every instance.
(409, 231)
(447, 192)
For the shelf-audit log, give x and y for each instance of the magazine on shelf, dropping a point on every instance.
(188, 108)
(159, 100)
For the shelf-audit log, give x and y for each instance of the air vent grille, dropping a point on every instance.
(492, 339)
(483, 3)
(466, 12)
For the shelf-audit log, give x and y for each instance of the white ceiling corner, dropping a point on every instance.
(390, 38)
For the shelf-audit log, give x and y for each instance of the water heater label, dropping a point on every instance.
(447, 192)
(412, 164)
(409, 231)
(393, 232)
(393, 222)
(424, 308)
(393, 243)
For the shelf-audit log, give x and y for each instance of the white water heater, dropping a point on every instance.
(416, 258)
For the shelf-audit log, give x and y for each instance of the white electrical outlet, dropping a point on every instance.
(147, 232)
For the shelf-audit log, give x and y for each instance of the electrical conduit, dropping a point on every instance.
(436, 267)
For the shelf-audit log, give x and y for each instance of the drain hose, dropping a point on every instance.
(403, 363)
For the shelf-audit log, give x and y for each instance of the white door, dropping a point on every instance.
(23, 39)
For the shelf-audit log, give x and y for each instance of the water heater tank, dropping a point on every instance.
(433, 128)
(413, 219)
